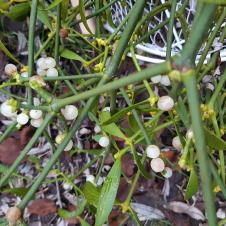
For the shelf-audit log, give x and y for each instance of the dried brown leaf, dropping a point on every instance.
(42, 207)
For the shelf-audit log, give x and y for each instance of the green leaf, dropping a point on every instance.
(53, 4)
(68, 54)
(83, 222)
(44, 18)
(112, 128)
(121, 113)
(213, 141)
(71, 214)
(108, 193)
(4, 5)
(16, 191)
(182, 112)
(3, 168)
(218, 2)
(193, 184)
(8, 53)
(64, 9)
(19, 11)
(92, 193)
(139, 164)
(82, 14)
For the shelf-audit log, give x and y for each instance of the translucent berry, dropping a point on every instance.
(35, 114)
(22, 118)
(50, 62)
(165, 103)
(104, 142)
(10, 69)
(153, 151)
(70, 112)
(52, 72)
(157, 165)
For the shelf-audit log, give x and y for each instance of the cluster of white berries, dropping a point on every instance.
(157, 164)
(46, 67)
(162, 79)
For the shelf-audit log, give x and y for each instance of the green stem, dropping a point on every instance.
(170, 29)
(98, 21)
(31, 39)
(162, 68)
(200, 144)
(57, 36)
(27, 148)
(8, 131)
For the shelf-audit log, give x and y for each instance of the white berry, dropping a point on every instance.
(67, 186)
(50, 62)
(90, 178)
(35, 114)
(22, 118)
(97, 129)
(24, 74)
(37, 122)
(7, 110)
(221, 214)
(69, 146)
(189, 134)
(156, 79)
(165, 103)
(157, 165)
(41, 63)
(52, 72)
(106, 109)
(165, 80)
(41, 72)
(176, 143)
(60, 138)
(104, 142)
(153, 151)
(10, 69)
(70, 112)
(167, 172)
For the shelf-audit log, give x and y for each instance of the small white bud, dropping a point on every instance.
(22, 118)
(104, 142)
(153, 151)
(41, 72)
(176, 143)
(35, 114)
(97, 129)
(37, 122)
(50, 62)
(60, 138)
(13, 215)
(210, 86)
(189, 134)
(165, 81)
(156, 79)
(100, 181)
(221, 214)
(7, 110)
(90, 178)
(36, 101)
(10, 69)
(70, 112)
(165, 103)
(41, 63)
(67, 186)
(52, 72)
(157, 165)
(69, 146)
(106, 109)
(167, 172)
(24, 74)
